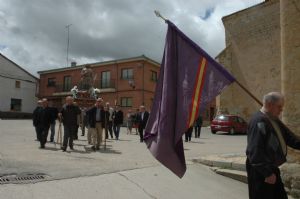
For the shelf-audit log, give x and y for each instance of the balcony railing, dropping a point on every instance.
(62, 88)
(105, 84)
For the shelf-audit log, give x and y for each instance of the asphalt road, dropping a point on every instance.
(125, 168)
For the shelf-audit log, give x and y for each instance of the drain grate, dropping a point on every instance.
(22, 179)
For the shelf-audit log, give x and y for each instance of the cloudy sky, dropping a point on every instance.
(33, 33)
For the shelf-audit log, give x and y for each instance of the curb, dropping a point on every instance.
(221, 164)
(227, 168)
(233, 174)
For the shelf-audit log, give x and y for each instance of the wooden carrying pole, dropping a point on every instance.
(157, 13)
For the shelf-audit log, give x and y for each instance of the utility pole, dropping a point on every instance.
(68, 42)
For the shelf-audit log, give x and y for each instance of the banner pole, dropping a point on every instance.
(249, 93)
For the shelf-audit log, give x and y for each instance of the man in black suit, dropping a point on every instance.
(36, 119)
(118, 117)
(54, 112)
(97, 116)
(68, 115)
(45, 119)
(142, 121)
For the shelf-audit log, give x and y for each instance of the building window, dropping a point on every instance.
(105, 79)
(126, 102)
(15, 104)
(18, 84)
(67, 83)
(127, 73)
(51, 82)
(154, 76)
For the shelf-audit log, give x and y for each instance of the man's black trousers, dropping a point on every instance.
(258, 189)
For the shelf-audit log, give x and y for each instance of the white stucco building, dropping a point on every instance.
(18, 88)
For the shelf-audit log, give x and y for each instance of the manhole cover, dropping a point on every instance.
(23, 179)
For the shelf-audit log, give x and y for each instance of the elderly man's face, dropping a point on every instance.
(99, 103)
(275, 109)
(69, 100)
(44, 103)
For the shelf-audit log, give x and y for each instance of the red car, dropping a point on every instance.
(228, 123)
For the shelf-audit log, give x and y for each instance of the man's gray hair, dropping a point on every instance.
(272, 97)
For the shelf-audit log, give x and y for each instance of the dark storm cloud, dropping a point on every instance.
(33, 33)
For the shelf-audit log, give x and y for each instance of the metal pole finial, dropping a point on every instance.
(157, 13)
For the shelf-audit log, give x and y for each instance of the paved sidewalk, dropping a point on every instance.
(153, 182)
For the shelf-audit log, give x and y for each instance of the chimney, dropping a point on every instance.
(73, 63)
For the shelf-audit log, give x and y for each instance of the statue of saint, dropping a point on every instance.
(86, 78)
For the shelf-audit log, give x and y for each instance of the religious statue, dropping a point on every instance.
(87, 78)
(74, 92)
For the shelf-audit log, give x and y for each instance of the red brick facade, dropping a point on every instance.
(116, 88)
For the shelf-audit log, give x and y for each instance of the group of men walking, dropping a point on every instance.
(100, 119)
(197, 125)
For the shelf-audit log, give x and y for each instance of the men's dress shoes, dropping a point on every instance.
(63, 149)
(71, 148)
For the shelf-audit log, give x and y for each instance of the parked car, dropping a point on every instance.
(229, 123)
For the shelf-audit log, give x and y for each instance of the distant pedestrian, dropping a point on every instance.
(188, 134)
(129, 118)
(69, 115)
(83, 120)
(110, 120)
(135, 121)
(198, 125)
(97, 118)
(142, 121)
(89, 129)
(78, 122)
(36, 119)
(54, 113)
(117, 121)
(45, 119)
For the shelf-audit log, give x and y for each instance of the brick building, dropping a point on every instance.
(128, 82)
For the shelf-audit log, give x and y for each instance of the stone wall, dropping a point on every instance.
(252, 55)
(290, 84)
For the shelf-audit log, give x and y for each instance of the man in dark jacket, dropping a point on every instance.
(142, 121)
(97, 116)
(198, 125)
(268, 138)
(54, 112)
(36, 119)
(117, 121)
(45, 119)
(68, 116)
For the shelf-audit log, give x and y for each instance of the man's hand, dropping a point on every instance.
(271, 179)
